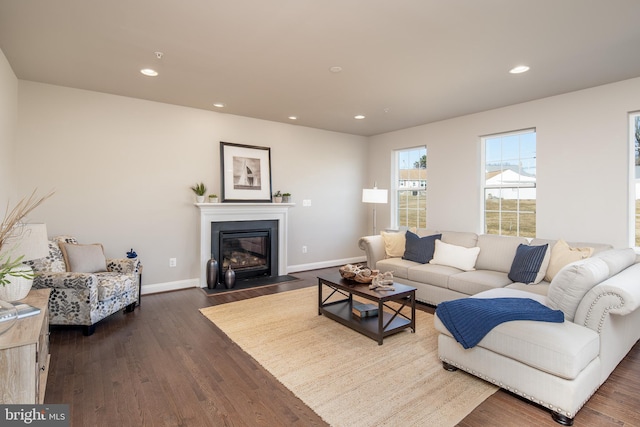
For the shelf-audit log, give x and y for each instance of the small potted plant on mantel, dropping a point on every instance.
(213, 198)
(277, 197)
(286, 197)
(199, 189)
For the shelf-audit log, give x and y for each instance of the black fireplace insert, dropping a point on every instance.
(250, 248)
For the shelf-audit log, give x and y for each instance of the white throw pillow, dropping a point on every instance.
(570, 285)
(455, 256)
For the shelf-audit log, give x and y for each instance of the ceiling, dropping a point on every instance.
(404, 62)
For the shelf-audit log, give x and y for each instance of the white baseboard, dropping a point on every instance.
(324, 264)
(155, 288)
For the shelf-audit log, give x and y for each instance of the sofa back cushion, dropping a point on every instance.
(617, 259)
(460, 238)
(497, 252)
(572, 282)
(54, 262)
(422, 232)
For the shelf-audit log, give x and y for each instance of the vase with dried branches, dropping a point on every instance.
(10, 228)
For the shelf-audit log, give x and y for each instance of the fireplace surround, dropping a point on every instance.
(239, 212)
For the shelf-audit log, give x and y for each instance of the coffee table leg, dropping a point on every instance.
(413, 312)
(319, 296)
(380, 323)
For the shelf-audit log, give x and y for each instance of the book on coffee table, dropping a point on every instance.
(362, 310)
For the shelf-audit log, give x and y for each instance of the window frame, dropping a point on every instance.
(521, 184)
(634, 179)
(395, 187)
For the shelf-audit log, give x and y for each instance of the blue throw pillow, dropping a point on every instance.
(419, 249)
(526, 264)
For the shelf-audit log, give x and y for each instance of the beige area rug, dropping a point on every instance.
(346, 377)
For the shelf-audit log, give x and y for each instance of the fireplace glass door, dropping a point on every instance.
(246, 252)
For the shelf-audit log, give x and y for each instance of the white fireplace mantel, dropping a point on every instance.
(220, 212)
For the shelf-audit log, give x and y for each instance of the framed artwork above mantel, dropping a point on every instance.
(246, 173)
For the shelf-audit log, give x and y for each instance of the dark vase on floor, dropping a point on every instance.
(212, 273)
(229, 278)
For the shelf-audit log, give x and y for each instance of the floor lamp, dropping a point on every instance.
(375, 196)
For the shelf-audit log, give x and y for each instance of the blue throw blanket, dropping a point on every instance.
(470, 319)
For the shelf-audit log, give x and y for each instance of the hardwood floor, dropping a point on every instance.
(166, 365)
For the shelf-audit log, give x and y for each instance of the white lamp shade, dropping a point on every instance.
(28, 240)
(374, 195)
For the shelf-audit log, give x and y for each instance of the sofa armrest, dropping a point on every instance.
(373, 246)
(124, 265)
(78, 281)
(619, 294)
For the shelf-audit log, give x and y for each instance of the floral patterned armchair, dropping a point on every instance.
(85, 298)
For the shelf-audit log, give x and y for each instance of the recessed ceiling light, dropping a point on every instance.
(149, 72)
(359, 117)
(293, 117)
(519, 69)
(219, 104)
(335, 69)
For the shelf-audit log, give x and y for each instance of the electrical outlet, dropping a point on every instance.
(304, 249)
(306, 202)
(172, 262)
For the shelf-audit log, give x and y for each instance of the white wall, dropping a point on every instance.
(8, 115)
(582, 163)
(122, 167)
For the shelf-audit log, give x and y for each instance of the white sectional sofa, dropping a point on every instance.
(556, 365)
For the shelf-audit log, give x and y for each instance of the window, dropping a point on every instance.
(634, 143)
(410, 195)
(509, 189)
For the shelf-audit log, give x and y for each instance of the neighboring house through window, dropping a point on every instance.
(509, 183)
(409, 195)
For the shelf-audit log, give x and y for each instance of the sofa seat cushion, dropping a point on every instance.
(473, 282)
(561, 349)
(111, 285)
(398, 266)
(433, 274)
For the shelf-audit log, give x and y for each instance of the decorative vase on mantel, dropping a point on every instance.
(229, 278)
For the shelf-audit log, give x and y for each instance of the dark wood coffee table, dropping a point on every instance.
(389, 319)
